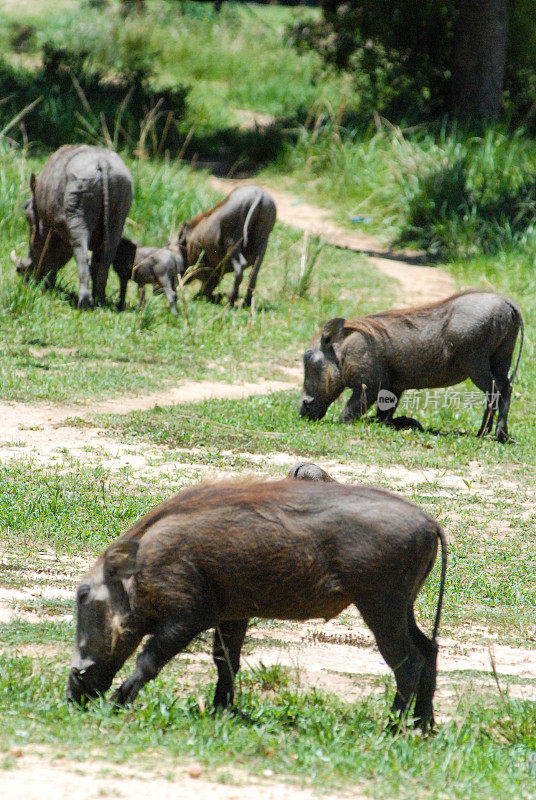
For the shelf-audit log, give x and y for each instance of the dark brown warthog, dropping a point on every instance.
(306, 471)
(215, 555)
(228, 238)
(156, 265)
(469, 335)
(79, 203)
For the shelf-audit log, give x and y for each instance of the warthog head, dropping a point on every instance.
(105, 632)
(40, 257)
(323, 380)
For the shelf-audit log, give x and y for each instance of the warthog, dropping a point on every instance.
(306, 471)
(217, 554)
(228, 238)
(379, 356)
(156, 265)
(79, 202)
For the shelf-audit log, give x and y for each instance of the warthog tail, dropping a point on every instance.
(248, 220)
(103, 165)
(521, 340)
(443, 540)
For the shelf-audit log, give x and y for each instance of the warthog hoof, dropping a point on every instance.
(85, 300)
(502, 437)
(399, 423)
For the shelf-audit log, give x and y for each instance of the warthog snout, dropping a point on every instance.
(87, 682)
(22, 265)
(311, 407)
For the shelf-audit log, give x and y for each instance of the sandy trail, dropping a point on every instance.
(35, 778)
(417, 283)
(38, 433)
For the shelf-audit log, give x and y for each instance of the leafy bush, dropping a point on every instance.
(481, 196)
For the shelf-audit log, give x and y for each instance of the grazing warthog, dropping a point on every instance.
(469, 335)
(156, 265)
(228, 238)
(217, 554)
(306, 471)
(79, 202)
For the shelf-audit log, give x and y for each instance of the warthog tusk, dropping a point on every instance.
(14, 258)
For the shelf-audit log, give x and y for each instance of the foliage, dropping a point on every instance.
(441, 190)
(401, 55)
(398, 53)
(298, 734)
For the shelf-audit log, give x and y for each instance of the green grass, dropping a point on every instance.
(446, 192)
(176, 44)
(265, 424)
(300, 735)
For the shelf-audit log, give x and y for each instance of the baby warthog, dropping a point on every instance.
(469, 335)
(217, 554)
(156, 265)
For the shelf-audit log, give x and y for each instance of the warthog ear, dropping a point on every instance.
(120, 559)
(181, 235)
(332, 332)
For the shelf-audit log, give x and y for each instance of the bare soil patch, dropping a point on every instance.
(37, 433)
(39, 778)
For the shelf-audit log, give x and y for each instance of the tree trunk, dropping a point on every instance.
(479, 57)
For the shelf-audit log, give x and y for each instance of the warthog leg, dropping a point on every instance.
(388, 622)
(500, 367)
(501, 431)
(239, 264)
(398, 423)
(482, 376)
(358, 403)
(169, 639)
(166, 285)
(424, 711)
(141, 298)
(207, 289)
(228, 640)
(254, 275)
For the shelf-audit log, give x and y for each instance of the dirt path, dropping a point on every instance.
(39, 778)
(418, 283)
(38, 432)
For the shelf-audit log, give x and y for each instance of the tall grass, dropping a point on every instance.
(443, 191)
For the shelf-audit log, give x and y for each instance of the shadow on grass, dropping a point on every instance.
(240, 153)
(66, 101)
